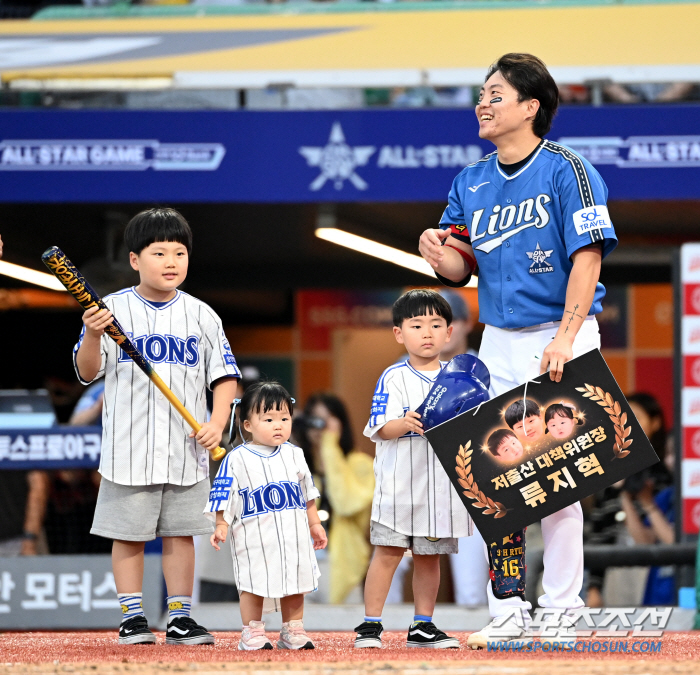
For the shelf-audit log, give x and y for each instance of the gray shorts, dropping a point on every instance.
(381, 535)
(144, 512)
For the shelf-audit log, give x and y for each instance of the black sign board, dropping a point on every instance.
(542, 446)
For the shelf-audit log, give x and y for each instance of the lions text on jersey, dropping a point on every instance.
(524, 229)
(262, 492)
(145, 441)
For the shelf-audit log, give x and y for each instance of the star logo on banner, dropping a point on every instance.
(337, 160)
(539, 258)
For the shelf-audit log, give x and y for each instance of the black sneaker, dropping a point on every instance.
(134, 631)
(426, 634)
(183, 630)
(369, 634)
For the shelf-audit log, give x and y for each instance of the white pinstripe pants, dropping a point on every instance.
(513, 357)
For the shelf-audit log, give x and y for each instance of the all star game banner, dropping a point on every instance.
(542, 446)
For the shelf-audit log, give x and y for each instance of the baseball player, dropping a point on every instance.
(265, 492)
(154, 470)
(415, 506)
(532, 217)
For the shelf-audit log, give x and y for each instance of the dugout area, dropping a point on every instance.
(261, 267)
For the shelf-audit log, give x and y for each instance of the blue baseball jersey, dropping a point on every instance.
(524, 229)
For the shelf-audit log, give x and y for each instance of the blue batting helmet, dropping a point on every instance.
(462, 384)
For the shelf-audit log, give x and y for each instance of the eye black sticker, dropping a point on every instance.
(498, 99)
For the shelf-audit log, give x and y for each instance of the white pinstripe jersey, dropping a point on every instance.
(263, 492)
(412, 494)
(144, 439)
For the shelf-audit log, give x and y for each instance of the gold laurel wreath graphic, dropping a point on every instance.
(619, 418)
(471, 489)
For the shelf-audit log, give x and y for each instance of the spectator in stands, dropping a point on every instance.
(23, 496)
(346, 478)
(88, 409)
(647, 500)
(574, 93)
(0, 247)
(647, 92)
(73, 492)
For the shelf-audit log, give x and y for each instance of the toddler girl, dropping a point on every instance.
(265, 493)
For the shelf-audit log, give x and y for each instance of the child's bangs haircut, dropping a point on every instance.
(262, 397)
(558, 410)
(514, 412)
(154, 225)
(420, 302)
(496, 438)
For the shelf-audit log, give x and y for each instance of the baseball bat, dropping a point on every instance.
(67, 273)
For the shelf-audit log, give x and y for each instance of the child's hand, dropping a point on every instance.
(318, 534)
(209, 436)
(411, 421)
(219, 535)
(96, 320)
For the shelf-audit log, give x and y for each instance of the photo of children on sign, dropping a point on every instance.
(542, 446)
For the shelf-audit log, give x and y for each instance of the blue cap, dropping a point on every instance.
(461, 385)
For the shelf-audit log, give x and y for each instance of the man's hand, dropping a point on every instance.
(558, 352)
(209, 436)
(318, 534)
(430, 246)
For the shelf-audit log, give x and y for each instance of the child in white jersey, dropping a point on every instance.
(415, 506)
(265, 493)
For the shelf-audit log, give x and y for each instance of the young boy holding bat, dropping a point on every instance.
(154, 469)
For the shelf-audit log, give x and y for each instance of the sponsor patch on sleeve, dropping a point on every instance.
(379, 402)
(592, 218)
(220, 489)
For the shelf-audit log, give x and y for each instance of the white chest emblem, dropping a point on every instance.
(539, 260)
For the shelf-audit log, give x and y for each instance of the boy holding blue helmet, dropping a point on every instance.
(415, 506)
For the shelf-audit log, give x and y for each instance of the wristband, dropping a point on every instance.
(30, 536)
(470, 260)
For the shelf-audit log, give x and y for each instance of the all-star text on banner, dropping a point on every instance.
(342, 156)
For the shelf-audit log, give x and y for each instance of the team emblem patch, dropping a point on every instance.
(539, 260)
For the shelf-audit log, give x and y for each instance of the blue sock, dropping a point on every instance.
(178, 605)
(421, 617)
(373, 619)
(131, 605)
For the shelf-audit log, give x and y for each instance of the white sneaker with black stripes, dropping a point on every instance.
(427, 634)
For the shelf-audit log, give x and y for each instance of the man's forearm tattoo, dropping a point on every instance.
(571, 318)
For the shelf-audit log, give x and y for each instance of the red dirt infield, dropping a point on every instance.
(99, 651)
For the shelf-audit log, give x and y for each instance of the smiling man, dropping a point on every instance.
(531, 217)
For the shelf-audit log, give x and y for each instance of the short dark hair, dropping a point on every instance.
(262, 397)
(514, 412)
(496, 438)
(420, 302)
(529, 76)
(153, 225)
(562, 411)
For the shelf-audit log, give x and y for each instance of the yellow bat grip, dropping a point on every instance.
(216, 453)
